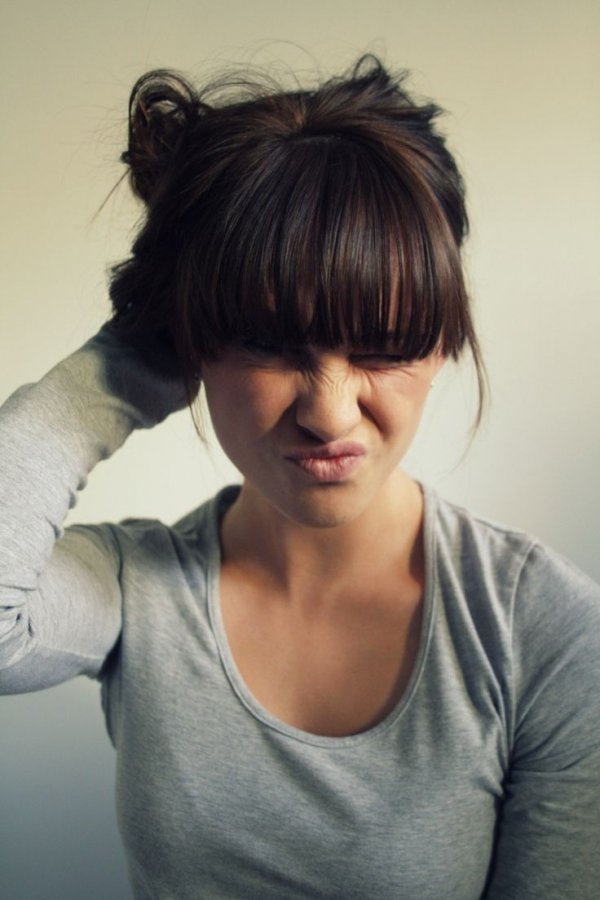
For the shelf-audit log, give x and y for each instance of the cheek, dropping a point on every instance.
(401, 409)
(246, 404)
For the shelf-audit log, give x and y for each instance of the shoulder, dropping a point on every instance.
(462, 532)
(514, 587)
(531, 601)
(476, 563)
(481, 549)
(152, 543)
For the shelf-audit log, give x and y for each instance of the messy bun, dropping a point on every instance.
(162, 106)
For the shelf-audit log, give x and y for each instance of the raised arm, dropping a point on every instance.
(60, 599)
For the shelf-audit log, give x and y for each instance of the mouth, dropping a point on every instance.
(330, 463)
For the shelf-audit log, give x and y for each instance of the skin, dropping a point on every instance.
(321, 583)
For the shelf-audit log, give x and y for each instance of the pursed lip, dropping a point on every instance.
(328, 451)
(330, 463)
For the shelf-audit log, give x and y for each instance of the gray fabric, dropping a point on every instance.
(483, 782)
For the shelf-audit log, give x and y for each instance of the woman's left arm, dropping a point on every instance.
(548, 839)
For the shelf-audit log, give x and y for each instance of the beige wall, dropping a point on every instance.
(522, 82)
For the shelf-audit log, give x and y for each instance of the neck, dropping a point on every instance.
(304, 561)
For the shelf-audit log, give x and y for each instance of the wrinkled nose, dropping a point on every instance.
(327, 404)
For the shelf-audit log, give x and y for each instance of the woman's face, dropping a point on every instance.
(317, 433)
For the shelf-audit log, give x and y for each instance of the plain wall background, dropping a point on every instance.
(522, 82)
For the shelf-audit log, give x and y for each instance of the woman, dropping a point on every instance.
(325, 682)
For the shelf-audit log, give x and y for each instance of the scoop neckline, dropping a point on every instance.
(219, 505)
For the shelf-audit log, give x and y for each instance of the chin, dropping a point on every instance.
(324, 507)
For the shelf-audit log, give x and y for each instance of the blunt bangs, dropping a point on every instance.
(326, 243)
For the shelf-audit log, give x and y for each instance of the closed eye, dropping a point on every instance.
(279, 352)
(264, 353)
(379, 360)
(264, 348)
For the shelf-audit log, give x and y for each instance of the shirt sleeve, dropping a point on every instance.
(549, 826)
(60, 596)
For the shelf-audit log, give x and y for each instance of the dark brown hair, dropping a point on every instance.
(334, 215)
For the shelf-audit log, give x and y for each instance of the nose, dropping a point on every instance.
(327, 403)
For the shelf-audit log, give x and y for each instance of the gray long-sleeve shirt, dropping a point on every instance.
(484, 781)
